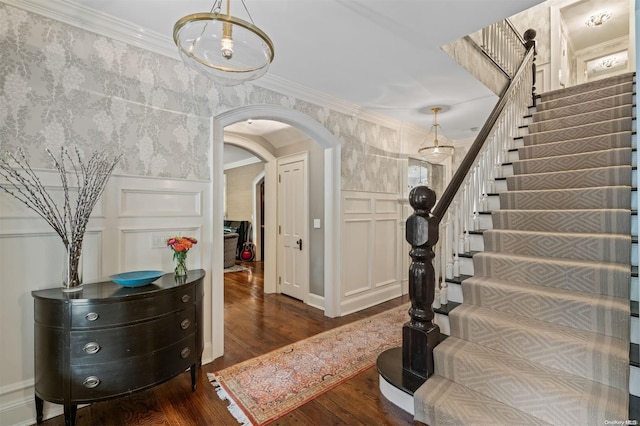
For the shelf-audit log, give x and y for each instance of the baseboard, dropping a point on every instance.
(18, 406)
(370, 298)
(316, 301)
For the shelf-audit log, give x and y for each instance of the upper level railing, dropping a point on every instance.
(439, 235)
(502, 44)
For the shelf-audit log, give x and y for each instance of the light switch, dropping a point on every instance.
(316, 223)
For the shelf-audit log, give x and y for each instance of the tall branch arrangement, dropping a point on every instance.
(69, 222)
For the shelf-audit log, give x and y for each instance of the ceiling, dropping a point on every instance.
(384, 56)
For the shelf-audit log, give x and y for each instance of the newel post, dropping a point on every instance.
(420, 335)
(530, 43)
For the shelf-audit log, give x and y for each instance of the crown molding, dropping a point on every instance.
(76, 14)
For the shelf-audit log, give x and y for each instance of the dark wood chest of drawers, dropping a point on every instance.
(107, 341)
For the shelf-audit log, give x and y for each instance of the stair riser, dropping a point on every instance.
(634, 377)
(586, 107)
(578, 146)
(585, 97)
(589, 221)
(590, 198)
(605, 248)
(614, 126)
(545, 343)
(466, 268)
(583, 119)
(597, 87)
(510, 272)
(610, 176)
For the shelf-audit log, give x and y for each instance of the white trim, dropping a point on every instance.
(332, 182)
(370, 298)
(242, 163)
(316, 301)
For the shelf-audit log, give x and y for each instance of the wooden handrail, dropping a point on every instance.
(420, 335)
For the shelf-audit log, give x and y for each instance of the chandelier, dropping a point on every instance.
(596, 20)
(435, 153)
(226, 49)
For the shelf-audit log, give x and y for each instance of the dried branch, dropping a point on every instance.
(90, 177)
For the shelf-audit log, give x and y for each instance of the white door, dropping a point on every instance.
(293, 247)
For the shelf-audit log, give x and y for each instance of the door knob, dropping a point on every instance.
(299, 243)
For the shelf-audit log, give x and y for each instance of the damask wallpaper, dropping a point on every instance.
(65, 86)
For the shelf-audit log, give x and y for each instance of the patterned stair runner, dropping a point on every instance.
(542, 336)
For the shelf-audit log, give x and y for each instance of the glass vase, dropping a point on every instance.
(181, 264)
(72, 268)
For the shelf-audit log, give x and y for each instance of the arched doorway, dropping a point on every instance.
(332, 184)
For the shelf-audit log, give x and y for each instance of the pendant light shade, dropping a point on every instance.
(226, 49)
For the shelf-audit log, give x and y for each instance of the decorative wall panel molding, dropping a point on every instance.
(370, 247)
(156, 203)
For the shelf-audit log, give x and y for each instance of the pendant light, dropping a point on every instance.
(226, 49)
(435, 153)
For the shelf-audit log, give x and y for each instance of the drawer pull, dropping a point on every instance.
(185, 352)
(91, 348)
(185, 324)
(186, 298)
(91, 382)
(92, 316)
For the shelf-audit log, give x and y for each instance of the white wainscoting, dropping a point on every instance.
(127, 232)
(371, 261)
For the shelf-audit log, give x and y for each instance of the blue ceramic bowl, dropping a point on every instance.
(136, 278)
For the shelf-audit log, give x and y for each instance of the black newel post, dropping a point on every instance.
(420, 335)
(530, 43)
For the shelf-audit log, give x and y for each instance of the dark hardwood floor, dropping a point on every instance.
(255, 323)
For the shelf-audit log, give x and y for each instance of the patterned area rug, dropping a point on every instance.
(236, 268)
(263, 389)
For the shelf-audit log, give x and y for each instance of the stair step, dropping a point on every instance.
(575, 275)
(605, 197)
(545, 343)
(575, 146)
(549, 394)
(441, 401)
(595, 313)
(579, 132)
(588, 87)
(608, 102)
(580, 98)
(615, 248)
(467, 269)
(581, 161)
(609, 221)
(577, 119)
(585, 178)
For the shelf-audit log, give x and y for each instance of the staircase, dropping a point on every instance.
(548, 315)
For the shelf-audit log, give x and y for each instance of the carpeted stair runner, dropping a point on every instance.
(542, 336)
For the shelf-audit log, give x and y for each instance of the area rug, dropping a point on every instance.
(265, 388)
(236, 268)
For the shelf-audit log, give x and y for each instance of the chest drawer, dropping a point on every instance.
(106, 314)
(93, 346)
(95, 382)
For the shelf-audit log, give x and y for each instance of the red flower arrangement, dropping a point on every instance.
(180, 246)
